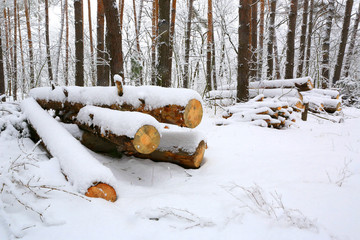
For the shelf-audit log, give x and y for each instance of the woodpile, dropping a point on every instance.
(295, 92)
(130, 120)
(260, 111)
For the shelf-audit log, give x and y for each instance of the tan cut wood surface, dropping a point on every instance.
(102, 190)
(146, 139)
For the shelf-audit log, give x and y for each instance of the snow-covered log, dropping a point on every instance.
(333, 94)
(130, 131)
(184, 147)
(181, 107)
(302, 84)
(276, 92)
(88, 176)
(322, 103)
(181, 146)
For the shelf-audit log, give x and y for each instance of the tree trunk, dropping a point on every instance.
(92, 71)
(261, 38)
(115, 37)
(47, 38)
(154, 30)
(66, 73)
(163, 68)
(102, 80)
(303, 39)
(2, 76)
(138, 50)
(79, 43)
(344, 38)
(325, 72)
(31, 53)
(7, 52)
(209, 47)
(270, 46)
(352, 42)
(276, 57)
(172, 34)
(15, 87)
(57, 63)
(243, 51)
(290, 43)
(309, 37)
(23, 80)
(213, 58)
(254, 27)
(187, 45)
(121, 9)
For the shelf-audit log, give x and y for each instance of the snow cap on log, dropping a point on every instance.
(142, 128)
(80, 167)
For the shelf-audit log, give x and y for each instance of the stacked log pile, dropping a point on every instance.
(128, 121)
(260, 111)
(296, 92)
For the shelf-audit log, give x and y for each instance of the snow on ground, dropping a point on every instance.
(255, 183)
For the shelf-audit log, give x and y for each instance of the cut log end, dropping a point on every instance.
(146, 139)
(193, 113)
(102, 190)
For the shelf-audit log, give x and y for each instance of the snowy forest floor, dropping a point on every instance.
(255, 183)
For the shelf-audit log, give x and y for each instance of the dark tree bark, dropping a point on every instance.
(115, 37)
(309, 37)
(187, 45)
(344, 39)
(2, 76)
(31, 52)
(325, 74)
(164, 73)
(261, 38)
(254, 27)
(48, 56)
(100, 33)
(290, 51)
(270, 46)
(303, 38)
(352, 42)
(79, 43)
(243, 51)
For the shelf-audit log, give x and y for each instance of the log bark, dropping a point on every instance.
(132, 137)
(185, 115)
(58, 146)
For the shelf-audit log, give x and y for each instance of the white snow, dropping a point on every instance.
(121, 123)
(153, 96)
(255, 183)
(81, 169)
(174, 138)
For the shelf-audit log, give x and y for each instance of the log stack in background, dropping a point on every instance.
(296, 92)
(179, 107)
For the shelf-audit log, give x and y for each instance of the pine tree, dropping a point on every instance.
(270, 45)
(344, 39)
(79, 43)
(290, 42)
(303, 38)
(243, 51)
(187, 45)
(2, 76)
